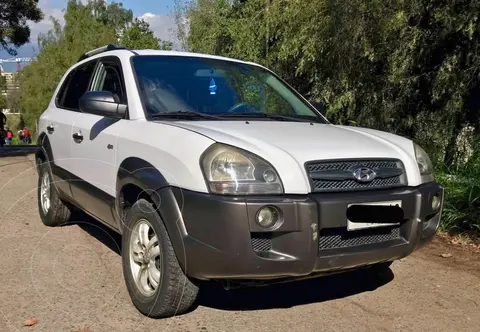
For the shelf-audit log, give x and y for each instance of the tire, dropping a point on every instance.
(58, 212)
(175, 294)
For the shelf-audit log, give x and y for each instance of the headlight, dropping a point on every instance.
(232, 171)
(424, 164)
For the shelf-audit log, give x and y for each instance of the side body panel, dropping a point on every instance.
(95, 164)
(62, 121)
(94, 157)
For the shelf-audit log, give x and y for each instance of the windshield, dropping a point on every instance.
(219, 88)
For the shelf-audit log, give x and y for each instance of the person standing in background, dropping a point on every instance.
(8, 136)
(3, 122)
(26, 133)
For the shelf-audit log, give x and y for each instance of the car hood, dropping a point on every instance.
(288, 145)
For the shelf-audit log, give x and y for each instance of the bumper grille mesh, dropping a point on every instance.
(337, 238)
(345, 165)
(348, 182)
(261, 242)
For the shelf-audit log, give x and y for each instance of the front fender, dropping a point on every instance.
(141, 174)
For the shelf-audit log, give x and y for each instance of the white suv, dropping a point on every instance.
(215, 169)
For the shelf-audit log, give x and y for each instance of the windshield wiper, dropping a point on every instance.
(263, 115)
(184, 114)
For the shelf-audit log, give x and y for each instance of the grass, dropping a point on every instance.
(461, 211)
(16, 141)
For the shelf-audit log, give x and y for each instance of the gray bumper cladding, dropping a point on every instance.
(224, 241)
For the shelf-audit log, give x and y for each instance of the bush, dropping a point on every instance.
(13, 122)
(462, 195)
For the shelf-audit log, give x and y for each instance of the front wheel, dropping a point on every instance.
(155, 281)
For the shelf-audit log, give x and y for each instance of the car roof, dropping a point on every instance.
(122, 52)
(189, 54)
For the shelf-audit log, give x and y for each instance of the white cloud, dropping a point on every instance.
(46, 24)
(163, 26)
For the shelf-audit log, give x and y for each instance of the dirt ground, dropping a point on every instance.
(70, 278)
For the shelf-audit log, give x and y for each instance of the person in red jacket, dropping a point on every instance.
(26, 134)
(9, 136)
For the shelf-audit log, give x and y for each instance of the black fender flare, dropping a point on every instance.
(142, 174)
(43, 148)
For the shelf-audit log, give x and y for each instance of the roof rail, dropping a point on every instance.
(106, 48)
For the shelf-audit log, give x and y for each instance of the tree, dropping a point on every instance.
(14, 17)
(138, 35)
(180, 15)
(13, 101)
(2, 89)
(54, 35)
(111, 14)
(3, 102)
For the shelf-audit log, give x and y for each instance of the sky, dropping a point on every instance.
(156, 12)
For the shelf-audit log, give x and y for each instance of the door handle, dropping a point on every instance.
(77, 137)
(50, 128)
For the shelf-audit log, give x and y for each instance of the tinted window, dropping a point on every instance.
(77, 85)
(108, 78)
(211, 86)
(63, 89)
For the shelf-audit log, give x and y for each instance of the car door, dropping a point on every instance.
(60, 119)
(94, 147)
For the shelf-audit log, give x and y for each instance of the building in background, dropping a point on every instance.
(9, 85)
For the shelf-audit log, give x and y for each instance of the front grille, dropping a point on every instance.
(336, 238)
(261, 242)
(337, 175)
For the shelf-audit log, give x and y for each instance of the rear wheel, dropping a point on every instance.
(155, 281)
(53, 211)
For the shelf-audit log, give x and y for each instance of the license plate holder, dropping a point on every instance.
(355, 226)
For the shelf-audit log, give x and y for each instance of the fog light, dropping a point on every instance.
(268, 216)
(435, 202)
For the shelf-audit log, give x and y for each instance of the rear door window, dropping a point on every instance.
(76, 84)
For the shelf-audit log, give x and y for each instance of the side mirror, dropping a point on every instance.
(103, 103)
(319, 106)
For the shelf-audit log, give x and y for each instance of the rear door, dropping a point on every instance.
(60, 119)
(95, 148)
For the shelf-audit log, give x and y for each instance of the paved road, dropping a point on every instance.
(70, 278)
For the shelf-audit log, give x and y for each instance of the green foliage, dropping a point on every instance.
(111, 14)
(14, 122)
(14, 17)
(3, 82)
(403, 66)
(462, 190)
(13, 101)
(87, 26)
(139, 36)
(3, 102)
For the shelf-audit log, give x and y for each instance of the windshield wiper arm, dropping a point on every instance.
(184, 114)
(262, 115)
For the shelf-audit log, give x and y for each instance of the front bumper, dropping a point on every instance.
(223, 240)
